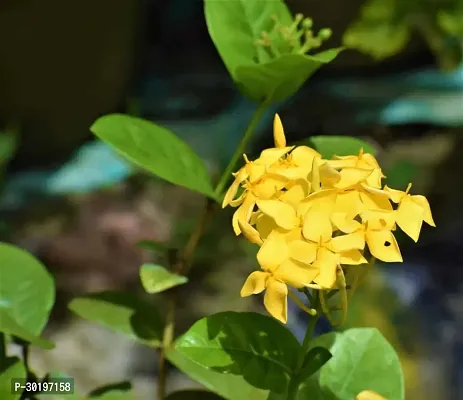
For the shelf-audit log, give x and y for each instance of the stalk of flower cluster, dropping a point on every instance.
(184, 260)
(313, 319)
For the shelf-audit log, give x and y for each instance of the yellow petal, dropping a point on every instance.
(303, 251)
(275, 300)
(317, 226)
(374, 179)
(369, 395)
(327, 262)
(273, 252)
(255, 171)
(368, 159)
(278, 132)
(424, 204)
(409, 217)
(351, 241)
(352, 257)
(283, 214)
(265, 225)
(344, 223)
(290, 173)
(250, 233)
(238, 201)
(379, 219)
(375, 199)
(323, 201)
(293, 234)
(315, 175)
(352, 176)
(243, 213)
(395, 195)
(255, 283)
(383, 246)
(343, 163)
(348, 202)
(268, 186)
(296, 274)
(231, 193)
(329, 177)
(298, 192)
(269, 156)
(303, 156)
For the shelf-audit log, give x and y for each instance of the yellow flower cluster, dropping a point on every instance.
(311, 217)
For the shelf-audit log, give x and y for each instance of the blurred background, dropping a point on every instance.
(77, 206)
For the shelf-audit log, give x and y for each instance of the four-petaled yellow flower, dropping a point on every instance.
(312, 218)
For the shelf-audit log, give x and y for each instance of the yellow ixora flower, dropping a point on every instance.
(313, 219)
(278, 271)
(411, 211)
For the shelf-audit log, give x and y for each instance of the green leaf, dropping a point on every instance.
(231, 387)
(122, 312)
(381, 31)
(12, 368)
(362, 359)
(451, 22)
(156, 149)
(9, 326)
(281, 78)
(156, 279)
(314, 360)
(254, 346)
(8, 145)
(152, 245)
(193, 395)
(401, 174)
(329, 146)
(27, 290)
(235, 26)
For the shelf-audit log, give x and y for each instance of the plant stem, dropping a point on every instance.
(241, 147)
(294, 383)
(184, 262)
(2, 348)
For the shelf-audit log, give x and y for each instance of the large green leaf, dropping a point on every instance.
(27, 290)
(9, 326)
(13, 367)
(362, 359)
(156, 149)
(254, 346)
(122, 312)
(281, 78)
(235, 26)
(329, 146)
(156, 279)
(231, 387)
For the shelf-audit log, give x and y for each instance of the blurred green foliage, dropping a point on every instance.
(384, 28)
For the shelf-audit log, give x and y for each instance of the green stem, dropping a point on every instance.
(224, 178)
(294, 383)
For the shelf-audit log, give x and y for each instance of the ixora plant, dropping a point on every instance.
(319, 215)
